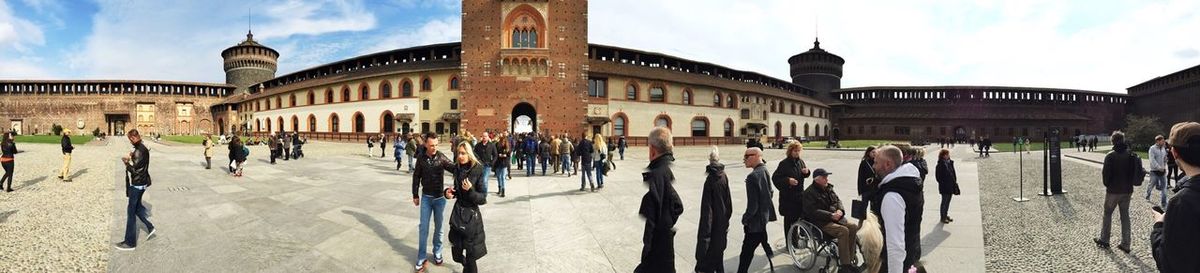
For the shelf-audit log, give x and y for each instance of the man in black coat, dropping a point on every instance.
(485, 151)
(661, 206)
(823, 208)
(65, 173)
(137, 164)
(789, 178)
(1174, 239)
(715, 209)
(759, 210)
(1118, 174)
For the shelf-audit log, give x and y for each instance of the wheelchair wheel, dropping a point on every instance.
(802, 245)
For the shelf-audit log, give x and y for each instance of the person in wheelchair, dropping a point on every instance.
(823, 209)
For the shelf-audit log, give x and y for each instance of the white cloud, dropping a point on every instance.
(1016, 43)
(434, 31)
(18, 37)
(182, 40)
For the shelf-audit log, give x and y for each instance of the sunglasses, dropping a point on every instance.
(747, 156)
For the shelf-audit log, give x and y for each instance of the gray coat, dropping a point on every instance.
(759, 209)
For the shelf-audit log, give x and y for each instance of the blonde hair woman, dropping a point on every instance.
(599, 152)
(466, 222)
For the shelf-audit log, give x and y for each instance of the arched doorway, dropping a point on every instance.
(960, 133)
(388, 122)
(221, 126)
(524, 118)
(778, 129)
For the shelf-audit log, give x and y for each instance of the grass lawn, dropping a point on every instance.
(854, 144)
(185, 139)
(1033, 146)
(51, 139)
(1141, 154)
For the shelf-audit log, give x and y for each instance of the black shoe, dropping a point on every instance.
(1101, 244)
(125, 247)
(9, 189)
(581, 189)
(1124, 248)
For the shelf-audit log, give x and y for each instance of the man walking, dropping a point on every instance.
(660, 207)
(621, 145)
(899, 204)
(137, 166)
(565, 149)
(1174, 239)
(759, 210)
(427, 193)
(554, 147)
(1121, 168)
(65, 173)
(715, 209)
(485, 151)
(1158, 170)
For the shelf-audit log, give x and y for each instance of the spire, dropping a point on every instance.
(249, 26)
(817, 43)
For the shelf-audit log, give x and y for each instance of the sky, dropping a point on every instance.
(1093, 45)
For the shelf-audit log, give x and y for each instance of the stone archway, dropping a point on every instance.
(524, 118)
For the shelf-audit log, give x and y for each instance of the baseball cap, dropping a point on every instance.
(821, 172)
(1184, 134)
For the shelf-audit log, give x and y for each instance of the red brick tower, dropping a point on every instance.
(524, 65)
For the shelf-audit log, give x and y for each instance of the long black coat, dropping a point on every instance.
(946, 177)
(471, 235)
(790, 202)
(866, 178)
(715, 210)
(1173, 242)
(661, 207)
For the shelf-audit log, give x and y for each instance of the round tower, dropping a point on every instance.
(818, 70)
(249, 63)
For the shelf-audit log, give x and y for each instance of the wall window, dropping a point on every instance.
(598, 87)
(453, 104)
(453, 83)
(424, 104)
(424, 127)
(359, 123)
(385, 90)
(699, 127)
(312, 98)
(364, 93)
(292, 100)
(328, 96)
(662, 121)
(687, 97)
(717, 99)
(426, 84)
(728, 127)
(657, 94)
(619, 126)
(278, 102)
(406, 89)
(793, 129)
(312, 123)
(334, 123)
(901, 130)
(345, 94)
(730, 102)
(631, 92)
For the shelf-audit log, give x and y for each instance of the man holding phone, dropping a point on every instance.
(1174, 238)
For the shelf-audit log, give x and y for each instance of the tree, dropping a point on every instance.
(1141, 130)
(57, 129)
(96, 132)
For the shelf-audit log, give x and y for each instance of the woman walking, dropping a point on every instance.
(503, 152)
(370, 145)
(237, 156)
(398, 150)
(599, 153)
(947, 180)
(208, 151)
(9, 149)
(467, 243)
(715, 210)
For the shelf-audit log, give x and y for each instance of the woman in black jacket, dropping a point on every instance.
(9, 149)
(466, 223)
(789, 178)
(947, 180)
(503, 152)
(866, 174)
(715, 210)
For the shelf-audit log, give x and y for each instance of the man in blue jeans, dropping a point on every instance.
(429, 174)
(1158, 169)
(137, 166)
(531, 152)
(485, 151)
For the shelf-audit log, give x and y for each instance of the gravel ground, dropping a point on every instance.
(47, 225)
(1054, 234)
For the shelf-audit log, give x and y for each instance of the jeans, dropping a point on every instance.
(501, 177)
(487, 171)
(410, 163)
(543, 161)
(566, 164)
(1158, 182)
(622, 152)
(435, 206)
(135, 211)
(1112, 201)
(529, 159)
(749, 243)
(555, 162)
(399, 161)
(585, 178)
(600, 173)
(8, 174)
(946, 205)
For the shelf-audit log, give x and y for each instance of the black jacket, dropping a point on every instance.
(866, 179)
(465, 219)
(946, 177)
(584, 150)
(922, 167)
(820, 203)
(66, 145)
(9, 150)
(429, 173)
(1118, 171)
(759, 209)
(661, 207)
(485, 151)
(715, 209)
(1173, 242)
(789, 196)
(502, 157)
(139, 166)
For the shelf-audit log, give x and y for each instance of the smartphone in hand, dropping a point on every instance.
(1158, 209)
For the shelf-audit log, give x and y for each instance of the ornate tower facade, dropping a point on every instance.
(817, 69)
(249, 63)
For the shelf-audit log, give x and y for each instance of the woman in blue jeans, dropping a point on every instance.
(599, 149)
(503, 153)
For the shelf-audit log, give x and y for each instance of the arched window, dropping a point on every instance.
(453, 83)
(278, 102)
(295, 123)
(817, 130)
(281, 125)
(772, 106)
(619, 125)
(453, 104)
(406, 89)
(687, 96)
(525, 22)
(806, 130)
(631, 91)
(334, 123)
(328, 95)
(699, 127)
(793, 129)
(385, 90)
(657, 94)
(731, 101)
(662, 121)
(292, 100)
(364, 93)
(426, 84)
(312, 98)
(359, 123)
(268, 125)
(345, 94)
(258, 125)
(728, 127)
(312, 123)
(717, 99)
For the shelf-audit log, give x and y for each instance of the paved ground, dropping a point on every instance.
(1054, 234)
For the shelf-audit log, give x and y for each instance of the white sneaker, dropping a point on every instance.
(151, 234)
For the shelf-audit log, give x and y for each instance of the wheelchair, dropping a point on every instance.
(806, 243)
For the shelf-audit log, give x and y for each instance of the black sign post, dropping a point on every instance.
(1052, 177)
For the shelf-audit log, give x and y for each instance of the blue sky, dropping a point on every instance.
(1104, 46)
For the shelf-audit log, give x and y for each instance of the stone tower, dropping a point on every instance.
(525, 65)
(818, 70)
(249, 63)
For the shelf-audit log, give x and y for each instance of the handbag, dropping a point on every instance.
(1139, 173)
(858, 209)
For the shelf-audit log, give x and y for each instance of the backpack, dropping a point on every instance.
(1139, 172)
(246, 151)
